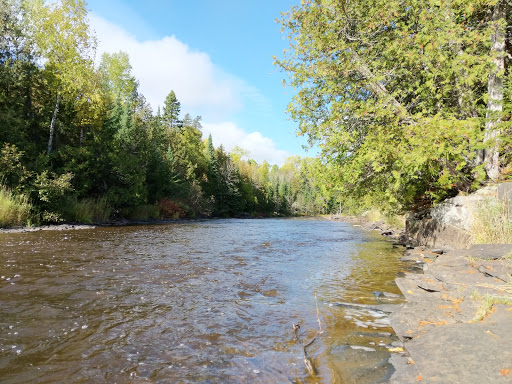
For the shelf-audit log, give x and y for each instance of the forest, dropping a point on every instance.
(79, 142)
(410, 102)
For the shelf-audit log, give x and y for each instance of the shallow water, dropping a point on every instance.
(209, 302)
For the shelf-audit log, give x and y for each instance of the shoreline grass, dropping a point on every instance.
(15, 210)
(89, 211)
(491, 223)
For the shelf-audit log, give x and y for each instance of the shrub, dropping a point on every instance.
(189, 212)
(171, 210)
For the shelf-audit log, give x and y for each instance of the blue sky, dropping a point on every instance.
(217, 57)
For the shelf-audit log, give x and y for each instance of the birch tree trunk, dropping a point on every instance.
(52, 125)
(495, 91)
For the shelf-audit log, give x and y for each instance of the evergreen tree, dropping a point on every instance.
(171, 112)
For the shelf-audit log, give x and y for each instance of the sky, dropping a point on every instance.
(217, 57)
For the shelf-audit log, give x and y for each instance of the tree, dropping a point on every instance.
(130, 158)
(398, 133)
(63, 39)
(188, 152)
(213, 166)
(115, 70)
(495, 90)
(18, 76)
(228, 195)
(171, 111)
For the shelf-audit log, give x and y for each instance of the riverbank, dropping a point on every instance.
(456, 326)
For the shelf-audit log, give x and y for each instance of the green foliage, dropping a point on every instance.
(487, 302)
(172, 108)
(13, 173)
(63, 39)
(53, 193)
(189, 159)
(115, 70)
(395, 134)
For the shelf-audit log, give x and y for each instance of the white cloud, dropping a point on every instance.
(203, 89)
(260, 147)
(168, 64)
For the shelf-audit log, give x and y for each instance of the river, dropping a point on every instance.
(203, 301)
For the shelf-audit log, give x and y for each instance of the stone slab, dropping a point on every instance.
(466, 353)
(499, 269)
(490, 251)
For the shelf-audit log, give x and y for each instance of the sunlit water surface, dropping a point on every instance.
(209, 301)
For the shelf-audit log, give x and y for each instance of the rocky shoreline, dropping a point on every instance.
(50, 227)
(456, 324)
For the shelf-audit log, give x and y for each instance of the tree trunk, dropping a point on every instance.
(52, 124)
(490, 154)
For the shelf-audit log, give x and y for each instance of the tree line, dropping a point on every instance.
(80, 143)
(408, 101)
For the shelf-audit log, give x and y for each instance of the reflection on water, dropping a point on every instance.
(209, 301)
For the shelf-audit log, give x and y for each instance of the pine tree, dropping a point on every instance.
(171, 112)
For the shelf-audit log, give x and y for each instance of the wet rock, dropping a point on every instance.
(361, 348)
(383, 308)
(375, 334)
(356, 365)
(57, 227)
(387, 297)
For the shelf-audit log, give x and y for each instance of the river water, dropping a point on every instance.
(207, 301)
